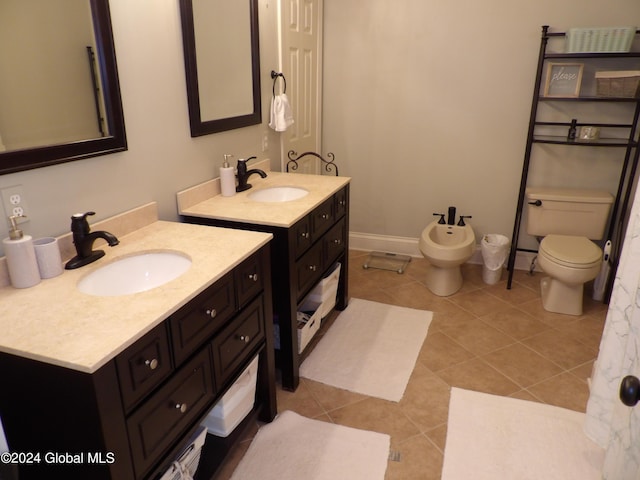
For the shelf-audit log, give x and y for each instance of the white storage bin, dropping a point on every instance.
(326, 291)
(309, 320)
(236, 404)
(186, 464)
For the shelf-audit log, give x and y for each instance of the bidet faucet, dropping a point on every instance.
(244, 174)
(451, 217)
(83, 239)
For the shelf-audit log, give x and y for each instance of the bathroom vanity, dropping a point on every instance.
(310, 234)
(113, 387)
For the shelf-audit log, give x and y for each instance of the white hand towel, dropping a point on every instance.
(281, 117)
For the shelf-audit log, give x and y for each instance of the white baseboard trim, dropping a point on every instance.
(369, 242)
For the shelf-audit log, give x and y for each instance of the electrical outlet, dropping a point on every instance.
(13, 201)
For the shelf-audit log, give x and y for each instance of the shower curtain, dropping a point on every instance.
(611, 424)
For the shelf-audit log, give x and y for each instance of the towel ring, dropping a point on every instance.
(274, 76)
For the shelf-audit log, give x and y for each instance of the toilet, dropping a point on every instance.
(446, 247)
(566, 221)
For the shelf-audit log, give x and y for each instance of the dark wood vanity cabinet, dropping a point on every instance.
(130, 418)
(301, 255)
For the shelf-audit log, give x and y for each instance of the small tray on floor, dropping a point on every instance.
(387, 261)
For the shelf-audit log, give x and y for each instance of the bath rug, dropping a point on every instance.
(293, 447)
(371, 348)
(491, 437)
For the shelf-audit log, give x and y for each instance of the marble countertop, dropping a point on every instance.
(240, 208)
(55, 323)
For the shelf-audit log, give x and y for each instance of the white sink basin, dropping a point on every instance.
(136, 273)
(278, 194)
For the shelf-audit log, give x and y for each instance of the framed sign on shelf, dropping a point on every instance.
(563, 79)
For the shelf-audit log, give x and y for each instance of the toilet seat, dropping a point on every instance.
(571, 251)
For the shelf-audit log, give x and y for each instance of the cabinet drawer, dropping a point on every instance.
(155, 426)
(233, 346)
(192, 326)
(143, 366)
(334, 242)
(301, 236)
(309, 268)
(341, 202)
(249, 279)
(322, 218)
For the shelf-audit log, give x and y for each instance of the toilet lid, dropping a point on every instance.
(570, 251)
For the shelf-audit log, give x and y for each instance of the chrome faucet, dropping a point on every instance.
(83, 239)
(244, 174)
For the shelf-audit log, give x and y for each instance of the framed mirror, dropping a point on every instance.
(222, 64)
(59, 91)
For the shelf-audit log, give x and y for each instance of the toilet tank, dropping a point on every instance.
(566, 211)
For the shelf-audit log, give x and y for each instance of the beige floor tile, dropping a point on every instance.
(476, 374)
(426, 399)
(561, 348)
(378, 416)
(420, 459)
(479, 302)
(515, 323)
(477, 337)
(301, 401)
(439, 352)
(438, 436)
(564, 390)
(522, 365)
(330, 398)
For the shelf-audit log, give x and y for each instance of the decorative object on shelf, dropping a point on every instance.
(599, 39)
(563, 79)
(328, 167)
(572, 130)
(589, 133)
(624, 84)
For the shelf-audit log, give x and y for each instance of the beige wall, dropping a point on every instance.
(426, 105)
(162, 158)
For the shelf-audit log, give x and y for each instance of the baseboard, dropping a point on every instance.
(369, 242)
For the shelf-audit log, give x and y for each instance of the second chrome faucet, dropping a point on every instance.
(243, 174)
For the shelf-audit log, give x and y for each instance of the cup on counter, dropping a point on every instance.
(48, 257)
(589, 134)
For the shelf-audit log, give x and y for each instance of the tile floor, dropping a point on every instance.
(483, 338)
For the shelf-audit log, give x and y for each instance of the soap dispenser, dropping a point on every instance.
(21, 257)
(227, 178)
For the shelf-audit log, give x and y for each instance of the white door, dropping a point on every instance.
(301, 63)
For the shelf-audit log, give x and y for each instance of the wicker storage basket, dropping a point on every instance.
(624, 84)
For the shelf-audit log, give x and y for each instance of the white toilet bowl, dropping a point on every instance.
(446, 247)
(570, 262)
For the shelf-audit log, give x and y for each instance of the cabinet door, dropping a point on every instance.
(301, 239)
(333, 243)
(166, 415)
(233, 346)
(143, 366)
(341, 202)
(249, 279)
(192, 326)
(308, 269)
(322, 218)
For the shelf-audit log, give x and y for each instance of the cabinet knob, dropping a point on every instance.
(244, 338)
(337, 241)
(313, 268)
(304, 234)
(324, 216)
(342, 203)
(254, 277)
(181, 407)
(152, 364)
(211, 312)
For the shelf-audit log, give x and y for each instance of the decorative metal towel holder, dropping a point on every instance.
(274, 76)
(328, 167)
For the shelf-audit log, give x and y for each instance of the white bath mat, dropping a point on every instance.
(491, 437)
(293, 447)
(371, 348)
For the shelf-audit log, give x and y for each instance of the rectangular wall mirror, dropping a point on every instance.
(222, 64)
(59, 91)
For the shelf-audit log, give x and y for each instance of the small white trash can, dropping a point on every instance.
(495, 249)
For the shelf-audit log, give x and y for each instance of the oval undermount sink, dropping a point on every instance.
(278, 194)
(136, 273)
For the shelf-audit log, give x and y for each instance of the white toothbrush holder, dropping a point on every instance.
(48, 257)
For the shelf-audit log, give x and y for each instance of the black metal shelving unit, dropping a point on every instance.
(628, 145)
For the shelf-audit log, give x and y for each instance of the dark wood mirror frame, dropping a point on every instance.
(201, 127)
(26, 159)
